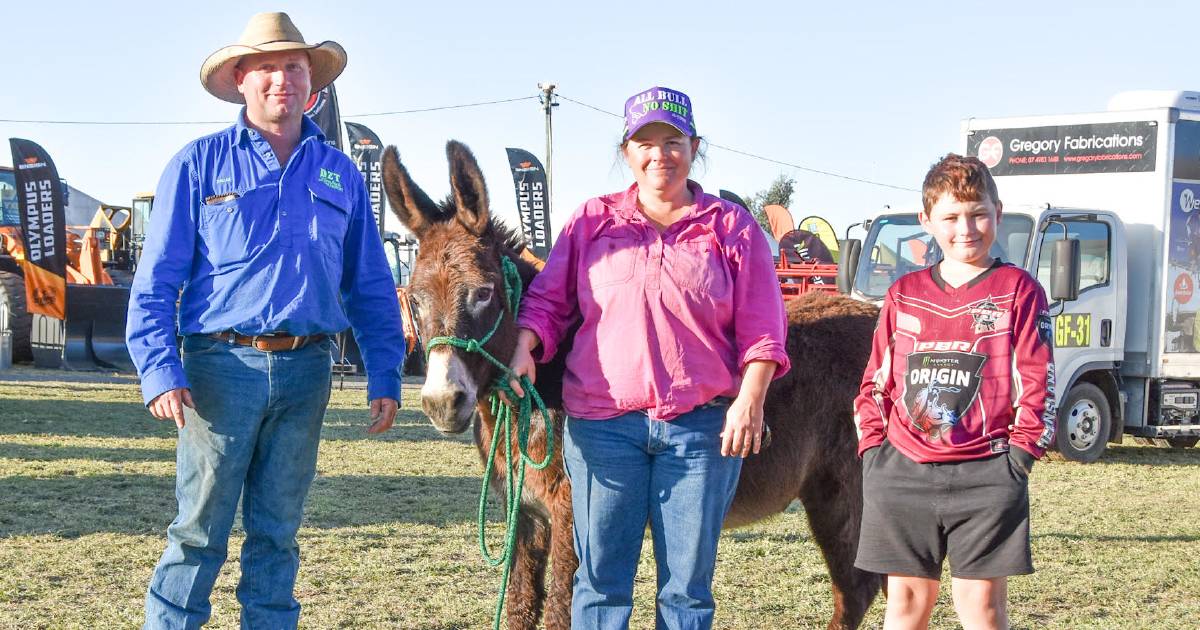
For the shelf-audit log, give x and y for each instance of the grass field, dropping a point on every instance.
(389, 540)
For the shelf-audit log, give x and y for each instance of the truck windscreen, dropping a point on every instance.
(896, 245)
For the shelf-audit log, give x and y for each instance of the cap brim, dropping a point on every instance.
(641, 125)
(327, 59)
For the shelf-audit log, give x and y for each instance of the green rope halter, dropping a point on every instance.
(504, 425)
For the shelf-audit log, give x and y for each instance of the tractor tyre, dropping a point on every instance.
(20, 322)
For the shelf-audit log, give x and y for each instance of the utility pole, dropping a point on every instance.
(548, 105)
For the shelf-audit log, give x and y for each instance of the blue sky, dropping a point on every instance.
(872, 90)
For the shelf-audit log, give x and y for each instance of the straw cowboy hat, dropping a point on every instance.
(269, 32)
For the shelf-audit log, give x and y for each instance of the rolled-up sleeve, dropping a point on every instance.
(162, 270)
(369, 298)
(760, 322)
(550, 306)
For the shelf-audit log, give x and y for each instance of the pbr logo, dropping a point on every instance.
(939, 388)
(986, 315)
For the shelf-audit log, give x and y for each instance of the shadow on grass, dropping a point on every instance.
(1143, 456)
(77, 418)
(72, 506)
(1124, 539)
(54, 452)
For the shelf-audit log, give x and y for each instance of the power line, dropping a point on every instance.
(222, 122)
(765, 159)
(443, 107)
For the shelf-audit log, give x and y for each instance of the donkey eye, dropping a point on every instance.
(482, 295)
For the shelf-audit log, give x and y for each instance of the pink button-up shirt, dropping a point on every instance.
(666, 320)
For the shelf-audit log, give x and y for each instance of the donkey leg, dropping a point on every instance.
(527, 575)
(834, 509)
(564, 564)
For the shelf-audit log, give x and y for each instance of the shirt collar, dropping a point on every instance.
(626, 203)
(308, 129)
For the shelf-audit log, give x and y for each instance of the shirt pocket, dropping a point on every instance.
(236, 229)
(330, 219)
(696, 263)
(612, 256)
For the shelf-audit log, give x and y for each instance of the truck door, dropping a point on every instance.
(1089, 333)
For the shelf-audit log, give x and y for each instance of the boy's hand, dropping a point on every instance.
(1022, 458)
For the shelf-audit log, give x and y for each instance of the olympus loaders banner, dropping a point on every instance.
(529, 180)
(40, 200)
(365, 150)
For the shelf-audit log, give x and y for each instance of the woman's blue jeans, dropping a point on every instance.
(629, 471)
(253, 436)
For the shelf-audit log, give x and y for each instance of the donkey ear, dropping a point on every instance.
(410, 204)
(468, 188)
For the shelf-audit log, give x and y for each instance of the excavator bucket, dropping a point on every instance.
(93, 335)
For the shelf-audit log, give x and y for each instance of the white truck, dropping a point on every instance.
(1117, 195)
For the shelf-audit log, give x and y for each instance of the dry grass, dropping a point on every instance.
(86, 491)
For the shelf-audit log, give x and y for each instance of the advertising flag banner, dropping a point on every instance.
(529, 180)
(322, 108)
(366, 150)
(40, 203)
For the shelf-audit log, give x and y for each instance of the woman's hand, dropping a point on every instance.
(522, 363)
(743, 428)
(743, 432)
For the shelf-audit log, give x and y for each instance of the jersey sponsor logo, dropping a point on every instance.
(1045, 325)
(939, 388)
(1050, 411)
(943, 346)
(986, 315)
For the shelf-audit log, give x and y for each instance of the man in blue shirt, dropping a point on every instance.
(263, 233)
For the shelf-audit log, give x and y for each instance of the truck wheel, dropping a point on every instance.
(1183, 442)
(1084, 424)
(12, 294)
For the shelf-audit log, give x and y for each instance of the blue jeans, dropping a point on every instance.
(629, 471)
(253, 435)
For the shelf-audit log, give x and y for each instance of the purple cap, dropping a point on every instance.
(659, 104)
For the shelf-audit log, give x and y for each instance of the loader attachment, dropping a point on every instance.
(93, 335)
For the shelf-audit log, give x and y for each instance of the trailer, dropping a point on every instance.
(1104, 209)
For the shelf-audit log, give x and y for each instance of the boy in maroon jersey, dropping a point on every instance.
(956, 405)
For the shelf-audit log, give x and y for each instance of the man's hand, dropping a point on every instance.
(383, 413)
(169, 405)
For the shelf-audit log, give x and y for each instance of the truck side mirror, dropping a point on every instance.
(850, 250)
(1064, 270)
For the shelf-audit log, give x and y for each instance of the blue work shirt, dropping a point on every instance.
(258, 247)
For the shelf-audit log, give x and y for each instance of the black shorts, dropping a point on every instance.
(914, 515)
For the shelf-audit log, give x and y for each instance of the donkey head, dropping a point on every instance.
(457, 283)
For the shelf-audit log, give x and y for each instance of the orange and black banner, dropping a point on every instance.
(322, 108)
(366, 150)
(40, 198)
(529, 180)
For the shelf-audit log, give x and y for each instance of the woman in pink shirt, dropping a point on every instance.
(680, 329)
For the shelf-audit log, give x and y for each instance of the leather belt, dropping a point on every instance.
(274, 342)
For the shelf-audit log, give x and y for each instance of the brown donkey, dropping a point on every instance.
(458, 288)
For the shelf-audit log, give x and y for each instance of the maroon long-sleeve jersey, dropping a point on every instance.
(960, 373)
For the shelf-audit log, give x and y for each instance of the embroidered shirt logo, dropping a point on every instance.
(331, 179)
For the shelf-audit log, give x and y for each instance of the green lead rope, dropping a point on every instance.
(504, 426)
